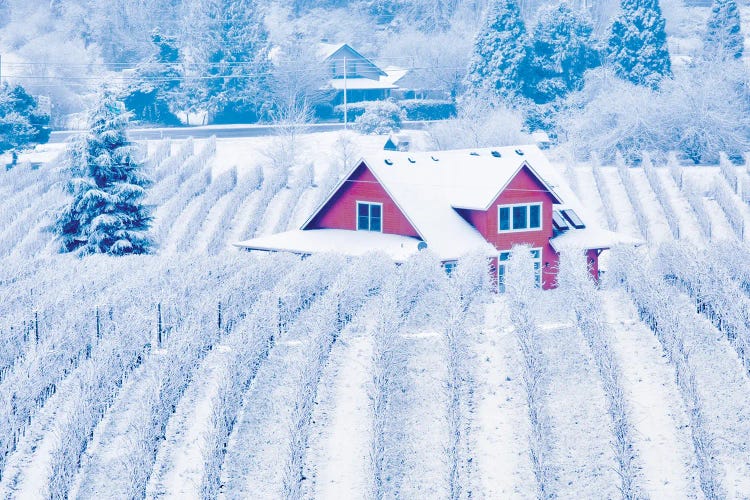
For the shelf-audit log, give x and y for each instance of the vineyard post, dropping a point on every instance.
(98, 324)
(158, 325)
(36, 327)
(219, 315)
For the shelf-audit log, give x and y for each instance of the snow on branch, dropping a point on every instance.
(601, 186)
(661, 195)
(632, 191)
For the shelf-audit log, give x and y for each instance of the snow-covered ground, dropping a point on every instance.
(195, 268)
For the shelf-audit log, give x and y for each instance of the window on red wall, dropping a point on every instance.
(369, 216)
(519, 217)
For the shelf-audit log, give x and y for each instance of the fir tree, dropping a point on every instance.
(158, 84)
(500, 51)
(237, 83)
(723, 34)
(22, 122)
(562, 50)
(637, 45)
(106, 214)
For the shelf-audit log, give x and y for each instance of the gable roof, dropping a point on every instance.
(329, 51)
(428, 187)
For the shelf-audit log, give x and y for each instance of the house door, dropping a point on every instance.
(502, 267)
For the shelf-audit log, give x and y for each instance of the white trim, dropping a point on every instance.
(527, 229)
(333, 192)
(369, 224)
(538, 278)
(515, 174)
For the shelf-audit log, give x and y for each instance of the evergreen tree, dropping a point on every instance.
(637, 45)
(238, 63)
(723, 34)
(562, 49)
(500, 51)
(158, 84)
(106, 214)
(22, 122)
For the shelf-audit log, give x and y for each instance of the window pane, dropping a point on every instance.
(519, 217)
(363, 224)
(374, 223)
(504, 256)
(363, 209)
(375, 211)
(535, 254)
(535, 216)
(504, 216)
(501, 278)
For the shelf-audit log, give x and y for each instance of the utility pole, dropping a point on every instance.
(346, 115)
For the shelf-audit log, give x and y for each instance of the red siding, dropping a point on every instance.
(341, 210)
(592, 257)
(524, 188)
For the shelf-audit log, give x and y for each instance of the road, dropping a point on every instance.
(220, 131)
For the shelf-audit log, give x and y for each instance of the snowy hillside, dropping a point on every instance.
(203, 371)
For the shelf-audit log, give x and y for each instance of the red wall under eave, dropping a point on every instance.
(524, 188)
(340, 212)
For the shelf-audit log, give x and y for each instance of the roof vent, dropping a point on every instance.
(411, 160)
(496, 154)
(434, 159)
(388, 161)
(519, 152)
(421, 246)
(474, 153)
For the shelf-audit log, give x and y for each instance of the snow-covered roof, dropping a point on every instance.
(590, 238)
(429, 187)
(359, 83)
(354, 243)
(461, 178)
(393, 74)
(326, 50)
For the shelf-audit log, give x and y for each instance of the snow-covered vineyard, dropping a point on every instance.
(203, 371)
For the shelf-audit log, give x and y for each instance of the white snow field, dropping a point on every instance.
(201, 371)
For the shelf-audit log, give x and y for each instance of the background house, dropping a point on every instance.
(363, 79)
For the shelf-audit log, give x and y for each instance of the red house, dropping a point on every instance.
(454, 203)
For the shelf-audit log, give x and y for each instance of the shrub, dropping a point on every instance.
(381, 117)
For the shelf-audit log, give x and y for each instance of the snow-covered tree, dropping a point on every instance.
(106, 214)
(237, 60)
(562, 49)
(637, 45)
(158, 82)
(22, 122)
(500, 51)
(724, 37)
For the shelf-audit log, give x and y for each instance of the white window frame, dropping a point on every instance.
(527, 229)
(356, 215)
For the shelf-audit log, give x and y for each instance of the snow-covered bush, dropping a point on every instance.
(380, 117)
(223, 184)
(704, 275)
(161, 152)
(729, 204)
(728, 171)
(698, 206)
(665, 314)
(522, 292)
(580, 295)
(604, 194)
(251, 182)
(478, 124)
(632, 192)
(661, 195)
(675, 169)
(173, 163)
